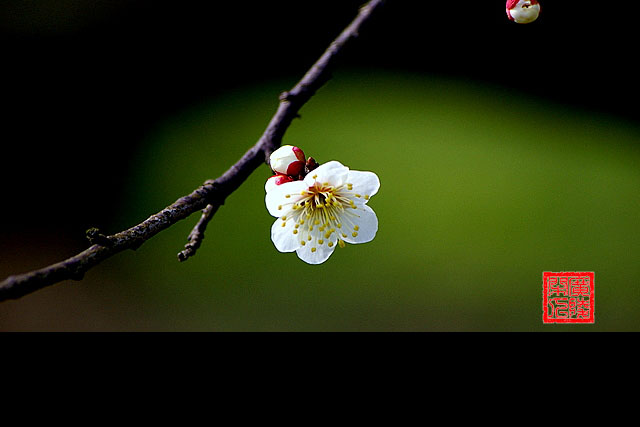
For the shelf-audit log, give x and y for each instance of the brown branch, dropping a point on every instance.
(210, 196)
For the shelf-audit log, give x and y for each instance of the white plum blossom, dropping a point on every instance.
(325, 210)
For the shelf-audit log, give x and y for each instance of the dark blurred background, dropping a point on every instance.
(86, 81)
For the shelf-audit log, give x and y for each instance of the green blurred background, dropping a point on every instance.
(484, 185)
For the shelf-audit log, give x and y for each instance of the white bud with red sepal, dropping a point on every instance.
(523, 11)
(287, 160)
(276, 180)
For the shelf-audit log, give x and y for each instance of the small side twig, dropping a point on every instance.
(211, 193)
(197, 234)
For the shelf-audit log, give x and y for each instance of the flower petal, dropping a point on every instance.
(332, 172)
(314, 253)
(283, 238)
(278, 203)
(363, 227)
(364, 183)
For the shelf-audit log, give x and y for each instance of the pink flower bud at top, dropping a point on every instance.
(287, 160)
(276, 180)
(523, 11)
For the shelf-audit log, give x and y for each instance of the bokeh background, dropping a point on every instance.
(503, 150)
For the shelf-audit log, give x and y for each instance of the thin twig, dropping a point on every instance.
(197, 234)
(212, 193)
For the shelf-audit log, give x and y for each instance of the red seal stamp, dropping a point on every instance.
(568, 297)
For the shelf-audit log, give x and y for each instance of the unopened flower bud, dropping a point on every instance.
(523, 11)
(287, 160)
(276, 180)
(311, 164)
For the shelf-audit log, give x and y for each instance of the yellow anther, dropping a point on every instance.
(313, 249)
(284, 218)
(295, 231)
(280, 207)
(333, 230)
(309, 238)
(357, 195)
(302, 242)
(287, 196)
(366, 197)
(330, 244)
(325, 184)
(339, 225)
(284, 224)
(320, 241)
(341, 243)
(297, 225)
(303, 193)
(301, 221)
(354, 234)
(311, 228)
(344, 235)
(316, 222)
(327, 235)
(349, 186)
(315, 176)
(356, 228)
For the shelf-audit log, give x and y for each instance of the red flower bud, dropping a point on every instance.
(276, 180)
(523, 11)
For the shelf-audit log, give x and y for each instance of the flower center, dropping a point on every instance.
(321, 211)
